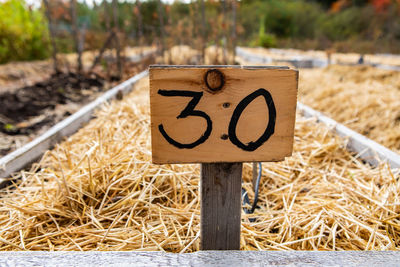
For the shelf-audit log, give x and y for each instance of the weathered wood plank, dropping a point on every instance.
(221, 185)
(248, 114)
(203, 258)
(217, 66)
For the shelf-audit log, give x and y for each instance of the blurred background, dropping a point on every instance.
(28, 28)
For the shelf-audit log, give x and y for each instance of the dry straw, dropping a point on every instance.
(99, 191)
(184, 55)
(365, 99)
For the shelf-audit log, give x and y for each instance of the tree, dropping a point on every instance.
(203, 30)
(109, 39)
(233, 33)
(52, 36)
(76, 36)
(138, 13)
(116, 37)
(224, 34)
(161, 21)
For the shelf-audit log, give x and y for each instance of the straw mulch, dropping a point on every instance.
(365, 99)
(180, 55)
(88, 57)
(99, 191)
(186, 55)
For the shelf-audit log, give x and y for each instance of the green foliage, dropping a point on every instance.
(266, 40)
(279, 18)
(23, 32)
(284, 19)
(269, 23)
(294, 23)
(295, 19)
(9, 127)
(349, 23)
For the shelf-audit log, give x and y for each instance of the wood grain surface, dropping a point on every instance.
(221, 185)
(201, 258)
(176, 89)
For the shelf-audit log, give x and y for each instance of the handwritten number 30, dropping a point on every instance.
(190, 111)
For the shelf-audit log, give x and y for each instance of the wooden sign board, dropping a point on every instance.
(203, 114)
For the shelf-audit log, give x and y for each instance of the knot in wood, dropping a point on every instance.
(214, 80)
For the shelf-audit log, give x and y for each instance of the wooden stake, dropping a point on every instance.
(255, 175)
(221, 185)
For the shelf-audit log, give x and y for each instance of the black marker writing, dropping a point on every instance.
(251, 146)
(188, 111)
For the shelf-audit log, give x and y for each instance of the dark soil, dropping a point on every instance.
(26, 112)
(27, 102)
(30, 101)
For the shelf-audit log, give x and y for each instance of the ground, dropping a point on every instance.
(34, 98)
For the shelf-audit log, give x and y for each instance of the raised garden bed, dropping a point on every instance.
(99, 191)
(29, 111)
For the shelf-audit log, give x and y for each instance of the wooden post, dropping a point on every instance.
(255, 174)
(221, 185)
